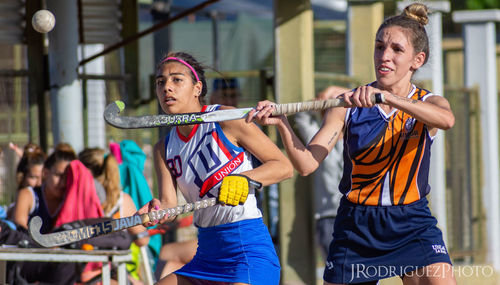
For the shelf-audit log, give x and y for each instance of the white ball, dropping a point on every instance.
(43, 21)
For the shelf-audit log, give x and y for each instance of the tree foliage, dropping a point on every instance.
(482, 4)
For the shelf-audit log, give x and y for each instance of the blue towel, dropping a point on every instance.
(134, 183)
(3, 217)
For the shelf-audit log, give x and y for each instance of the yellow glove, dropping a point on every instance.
(234, 189)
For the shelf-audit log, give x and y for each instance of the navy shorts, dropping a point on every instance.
(236, 252)
(377, 242)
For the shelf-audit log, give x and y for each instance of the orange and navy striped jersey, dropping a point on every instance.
(386, 156)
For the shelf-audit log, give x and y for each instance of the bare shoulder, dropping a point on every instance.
(159, 147)
(127, 197)
(25, 193)
(128, 201)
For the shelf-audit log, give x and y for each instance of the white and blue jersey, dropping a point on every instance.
(199, 162)
(234, 244)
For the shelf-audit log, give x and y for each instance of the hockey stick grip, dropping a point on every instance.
(292, 108)
(175, 211)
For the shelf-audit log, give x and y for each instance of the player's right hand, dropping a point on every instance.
(233, 190)
(153, 205)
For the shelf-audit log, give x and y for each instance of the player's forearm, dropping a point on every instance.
(167, 198)
(301, 157)
(433, 115)
(271, 172)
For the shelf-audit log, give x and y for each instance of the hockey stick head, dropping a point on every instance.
(111, 114)
(112, 117)
(34, 229)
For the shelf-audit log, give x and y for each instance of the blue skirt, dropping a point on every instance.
(235, 252)
(377, 242)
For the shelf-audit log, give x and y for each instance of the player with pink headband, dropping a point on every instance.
(214, 160)
(185, 63)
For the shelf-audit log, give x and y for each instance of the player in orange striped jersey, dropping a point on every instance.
(384, 226)
(391, 165)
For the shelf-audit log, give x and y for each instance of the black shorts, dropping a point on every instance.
(377, 242)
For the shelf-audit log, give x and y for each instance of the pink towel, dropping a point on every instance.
(81, 201)
(114, 148)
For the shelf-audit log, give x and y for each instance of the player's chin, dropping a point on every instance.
(384, 81)
(169, 109)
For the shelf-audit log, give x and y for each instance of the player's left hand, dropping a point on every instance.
(234, 189)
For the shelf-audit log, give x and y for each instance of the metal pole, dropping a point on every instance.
(215, 39)
(65, 90)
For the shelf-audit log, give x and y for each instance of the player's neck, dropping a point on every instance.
(186, 130)
(193, 107)
(400, 89)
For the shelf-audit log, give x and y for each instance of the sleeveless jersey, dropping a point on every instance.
(199, 162)
(42, 211)
(386, 156)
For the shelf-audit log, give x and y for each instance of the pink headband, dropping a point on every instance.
(185, 63)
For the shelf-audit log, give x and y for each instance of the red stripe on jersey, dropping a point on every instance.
(221, 145)
(217, 177)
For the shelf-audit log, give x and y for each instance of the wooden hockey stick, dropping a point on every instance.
(107, 227)
(112, 110)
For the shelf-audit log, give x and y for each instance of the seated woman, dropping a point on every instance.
(117, 203)
(29, 168)
(28, 175)
(104, 169)
(45, 200)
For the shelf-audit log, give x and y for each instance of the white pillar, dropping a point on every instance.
(480, 70)
(96, 97)
(65, 90)
(433, 70)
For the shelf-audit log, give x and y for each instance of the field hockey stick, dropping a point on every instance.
(163, 228)
(107, 227)
(111, 113)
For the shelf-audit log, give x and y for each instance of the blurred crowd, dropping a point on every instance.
(70, 190)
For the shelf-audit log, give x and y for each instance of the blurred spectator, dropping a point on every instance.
(29, 168)
(17, 150)
(28, 173)
(46, 200)
(66, 200)
(327, 177)
(225, 92)
(117, 204)
(134, 183)
(80, 198)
